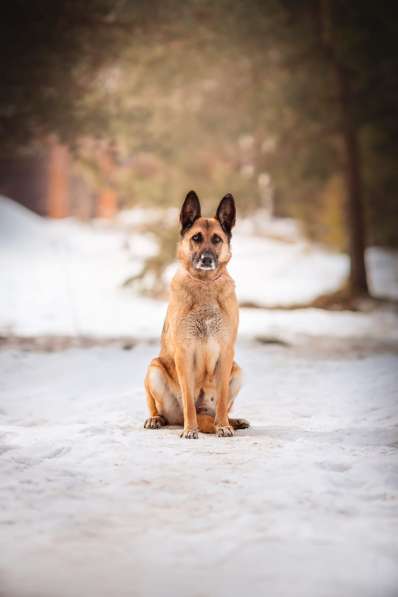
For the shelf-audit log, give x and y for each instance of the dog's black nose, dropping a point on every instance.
(207, 260)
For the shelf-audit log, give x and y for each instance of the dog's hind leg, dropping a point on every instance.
(206, 423)
(161, 397)
(235, 384)
(238, 423)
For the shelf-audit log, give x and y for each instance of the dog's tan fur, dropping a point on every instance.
(195, 379)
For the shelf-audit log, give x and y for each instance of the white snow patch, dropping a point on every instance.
(65, 278)
(383, 268)
(303, 504)
(20, 229)
(272, 272)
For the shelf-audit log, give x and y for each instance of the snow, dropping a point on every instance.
(283, 273)
(303, 504)
(66, 278)
(273, 264)
(71, 284)
(383, 265)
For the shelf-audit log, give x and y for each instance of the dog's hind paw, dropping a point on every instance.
(190, 434)
(155, 422)
(224, 431)
(239, 423)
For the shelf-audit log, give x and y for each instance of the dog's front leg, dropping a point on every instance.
(185, 378)
(221, 421)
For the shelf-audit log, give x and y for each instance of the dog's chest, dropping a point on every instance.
(204, 321)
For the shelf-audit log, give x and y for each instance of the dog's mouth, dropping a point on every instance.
(206, 261)
(205, 268)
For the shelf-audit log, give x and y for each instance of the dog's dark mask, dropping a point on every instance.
(204, 260)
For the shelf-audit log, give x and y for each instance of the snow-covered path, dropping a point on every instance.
(303, 504)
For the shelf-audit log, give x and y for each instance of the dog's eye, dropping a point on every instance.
(216, 239)
(197, 238)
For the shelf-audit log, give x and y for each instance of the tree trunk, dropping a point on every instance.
(58, 174)
(358, 283)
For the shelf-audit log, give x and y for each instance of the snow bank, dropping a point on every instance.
(22, 230)
(272, 272)
(383, 272)
(65, 278)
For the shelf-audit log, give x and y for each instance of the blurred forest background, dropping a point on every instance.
(291, 106)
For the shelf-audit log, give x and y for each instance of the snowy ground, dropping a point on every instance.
(65, 278)
(303, 504)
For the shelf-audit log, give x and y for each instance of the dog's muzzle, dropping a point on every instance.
(206, 261)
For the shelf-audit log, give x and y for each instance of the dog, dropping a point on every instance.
(195, 379)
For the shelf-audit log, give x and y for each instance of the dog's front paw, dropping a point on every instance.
(155, 422)
(190, 434)
(224, 431)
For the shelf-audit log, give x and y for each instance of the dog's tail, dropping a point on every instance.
(206, 423)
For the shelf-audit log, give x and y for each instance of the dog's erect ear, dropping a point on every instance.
(226, 213)
(190, 211)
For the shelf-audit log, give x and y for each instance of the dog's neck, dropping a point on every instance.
(205, 280)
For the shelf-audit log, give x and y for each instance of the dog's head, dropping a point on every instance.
(205, 242)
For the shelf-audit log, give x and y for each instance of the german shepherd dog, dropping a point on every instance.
(195, 379)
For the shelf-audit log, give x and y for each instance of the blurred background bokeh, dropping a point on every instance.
(112, 110)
